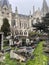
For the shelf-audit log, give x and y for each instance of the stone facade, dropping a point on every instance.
(21, 24)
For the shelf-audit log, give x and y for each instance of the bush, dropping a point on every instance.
(39, 58)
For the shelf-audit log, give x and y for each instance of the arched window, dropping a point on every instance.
(21, 33)
(16, 32)
(25, 33)
(20, 24)
(25, 25)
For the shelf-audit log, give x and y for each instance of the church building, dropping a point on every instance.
(21, 24)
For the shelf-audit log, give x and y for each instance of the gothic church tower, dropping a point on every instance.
(45, 8)
(5, 12)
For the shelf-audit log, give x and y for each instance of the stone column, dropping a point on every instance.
(23, 33)
(1, 41)
(27, 33)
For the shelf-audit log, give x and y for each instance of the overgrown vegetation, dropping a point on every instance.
(5, 27)
(40, 58)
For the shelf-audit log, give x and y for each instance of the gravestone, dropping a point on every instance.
(27, 41)
(1, 41)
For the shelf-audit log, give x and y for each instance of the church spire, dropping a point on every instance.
(16, 10)
(4, 2)
(33, 9)
(44, 7)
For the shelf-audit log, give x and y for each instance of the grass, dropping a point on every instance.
(40, 58)
(9, 61)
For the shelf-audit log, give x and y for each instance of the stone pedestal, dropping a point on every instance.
(1, 40)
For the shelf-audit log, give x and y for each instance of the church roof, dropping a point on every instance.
(23, 16)
(4, 2)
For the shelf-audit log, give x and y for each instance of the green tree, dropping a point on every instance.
(45, 21)
(44, 25)
(5, 27)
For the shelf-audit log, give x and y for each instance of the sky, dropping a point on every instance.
(25, 6)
